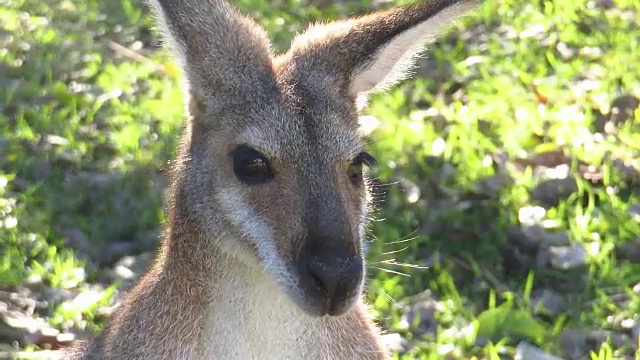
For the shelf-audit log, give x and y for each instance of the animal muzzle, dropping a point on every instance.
(331, 276)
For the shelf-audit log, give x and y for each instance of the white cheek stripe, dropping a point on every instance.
(256, 230)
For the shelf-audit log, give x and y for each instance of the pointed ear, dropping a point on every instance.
(221, 52)
(375, 51)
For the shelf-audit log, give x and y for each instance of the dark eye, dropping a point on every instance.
(250, 166)
(355, 168)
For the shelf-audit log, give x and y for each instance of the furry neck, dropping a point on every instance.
(250, 317)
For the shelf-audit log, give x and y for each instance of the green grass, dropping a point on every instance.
(86, 132)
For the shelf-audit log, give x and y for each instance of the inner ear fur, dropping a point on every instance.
(375, 51)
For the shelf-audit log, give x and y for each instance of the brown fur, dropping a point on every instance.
(227, 281)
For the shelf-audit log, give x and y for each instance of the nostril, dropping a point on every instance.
(318, 273)
(331, 281)
(317, 281)
(334, 276)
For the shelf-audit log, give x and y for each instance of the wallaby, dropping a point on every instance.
(262, 254)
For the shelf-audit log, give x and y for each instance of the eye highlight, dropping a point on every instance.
(355, 168)
(251, 167)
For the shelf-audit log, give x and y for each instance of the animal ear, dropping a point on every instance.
(222, 53)
(375, 51)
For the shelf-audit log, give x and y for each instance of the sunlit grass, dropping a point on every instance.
(528, 81)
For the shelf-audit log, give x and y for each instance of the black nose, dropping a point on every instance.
(336, 280)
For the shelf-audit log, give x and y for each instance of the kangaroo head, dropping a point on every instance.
(273, 169)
